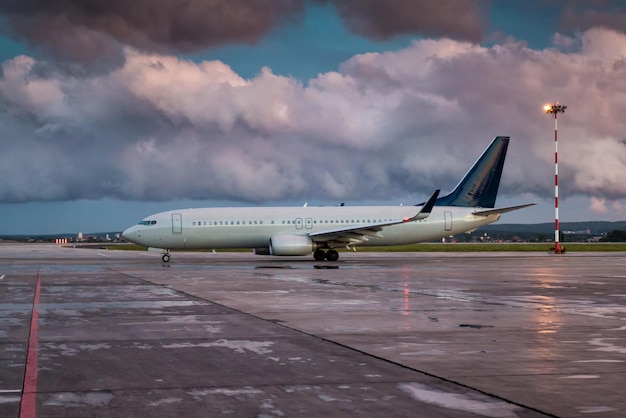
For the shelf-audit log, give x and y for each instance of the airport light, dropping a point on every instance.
(555, 109)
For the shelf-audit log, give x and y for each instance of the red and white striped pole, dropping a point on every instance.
(555, 109)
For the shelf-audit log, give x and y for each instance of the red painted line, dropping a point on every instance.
(29, 392)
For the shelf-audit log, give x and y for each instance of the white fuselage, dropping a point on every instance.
(246, 227)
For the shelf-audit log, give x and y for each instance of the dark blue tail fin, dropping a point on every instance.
(480, 185)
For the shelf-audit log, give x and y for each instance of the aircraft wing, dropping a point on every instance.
(499, 211)
(355, 234)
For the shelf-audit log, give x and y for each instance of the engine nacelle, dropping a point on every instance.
(291, 245)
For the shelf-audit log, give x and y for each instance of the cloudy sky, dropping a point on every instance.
(110, 111)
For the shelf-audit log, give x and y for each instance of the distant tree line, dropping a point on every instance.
(615, 235)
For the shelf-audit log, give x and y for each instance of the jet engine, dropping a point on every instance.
(291, 245)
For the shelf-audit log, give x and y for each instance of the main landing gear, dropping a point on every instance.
(330, 255)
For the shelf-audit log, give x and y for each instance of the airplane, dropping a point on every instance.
(298, 231)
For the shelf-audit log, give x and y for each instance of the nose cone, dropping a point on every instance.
(130, 234)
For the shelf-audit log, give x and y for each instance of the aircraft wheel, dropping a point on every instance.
(332, 255)
(165, 258)
(319, 255)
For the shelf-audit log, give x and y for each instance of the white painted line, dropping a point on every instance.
(2, 277)
(103, 255)
(10, 390)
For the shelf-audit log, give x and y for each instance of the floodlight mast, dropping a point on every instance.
(555, 109)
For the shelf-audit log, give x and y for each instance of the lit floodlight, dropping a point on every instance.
(554, 108)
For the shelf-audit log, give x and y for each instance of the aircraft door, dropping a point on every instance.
(308, 223)
(298, 223)
(177, 223)
(448, 220)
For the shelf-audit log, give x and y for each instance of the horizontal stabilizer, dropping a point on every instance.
(488, 212)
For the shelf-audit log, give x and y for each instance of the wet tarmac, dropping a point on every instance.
(89, 332)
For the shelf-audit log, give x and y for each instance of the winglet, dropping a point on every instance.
(426, 209)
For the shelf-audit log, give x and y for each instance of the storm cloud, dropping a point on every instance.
(375, 19)
(383, 125)
(95, 30)
(579, 16)
(94, 33)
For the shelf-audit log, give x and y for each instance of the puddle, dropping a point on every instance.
(474, 403)
(74, 400)
(239, 346)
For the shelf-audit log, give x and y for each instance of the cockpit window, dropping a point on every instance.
(147, 222)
